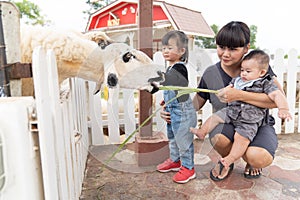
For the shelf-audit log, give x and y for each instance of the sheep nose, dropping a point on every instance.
(112, 80)
(127, 56)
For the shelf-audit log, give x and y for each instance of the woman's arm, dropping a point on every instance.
(229, 94)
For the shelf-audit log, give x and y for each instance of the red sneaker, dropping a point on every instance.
(184, 175)
(168, 166)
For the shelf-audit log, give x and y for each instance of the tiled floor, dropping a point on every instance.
(123, 179)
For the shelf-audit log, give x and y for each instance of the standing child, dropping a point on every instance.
(246, 118)
(182, 112)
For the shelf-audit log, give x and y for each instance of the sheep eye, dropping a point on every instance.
(127, 56)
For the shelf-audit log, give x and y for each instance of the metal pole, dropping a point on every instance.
(4, 78)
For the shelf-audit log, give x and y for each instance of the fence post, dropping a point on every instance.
(129, 112)
(95, 115)
(279, 70)
(4, 78)
(45, 122)
(291, 82)
(160, 123)
(59, 137)
(113, 115)
(11, 31)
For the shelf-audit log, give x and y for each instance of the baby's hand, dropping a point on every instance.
(198, 133)
(284, 114)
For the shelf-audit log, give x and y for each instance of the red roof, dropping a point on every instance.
(122, 14)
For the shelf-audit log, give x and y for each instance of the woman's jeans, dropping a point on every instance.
(183, 116)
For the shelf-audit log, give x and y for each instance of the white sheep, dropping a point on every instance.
(78, 56)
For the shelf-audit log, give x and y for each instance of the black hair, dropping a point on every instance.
(234, 34)
(260, 56)
(182, 42)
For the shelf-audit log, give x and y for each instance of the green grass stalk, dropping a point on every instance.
(181, 91)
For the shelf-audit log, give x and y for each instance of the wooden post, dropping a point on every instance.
(11, 30)
(152, 148)
(145, 39)
(4, 79)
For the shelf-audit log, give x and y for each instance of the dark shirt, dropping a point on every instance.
(177, 75)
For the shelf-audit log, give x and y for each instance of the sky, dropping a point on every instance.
(277, 21)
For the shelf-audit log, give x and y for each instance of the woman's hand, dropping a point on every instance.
(228, 94)
(163, 114)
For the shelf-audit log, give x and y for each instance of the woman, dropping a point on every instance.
(233, 42)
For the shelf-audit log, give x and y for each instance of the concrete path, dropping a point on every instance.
(123, 179)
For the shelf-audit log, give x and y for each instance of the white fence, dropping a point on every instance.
(63, 130)
(44, 141)
(285, 69)
(288, 73)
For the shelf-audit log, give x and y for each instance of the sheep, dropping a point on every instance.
(71, 49)
(78, 56)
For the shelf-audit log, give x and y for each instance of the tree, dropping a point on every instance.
(210, 43)
(96, 5)
(31, 13)
(253, 32)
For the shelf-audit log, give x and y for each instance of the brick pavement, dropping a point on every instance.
(123, 179)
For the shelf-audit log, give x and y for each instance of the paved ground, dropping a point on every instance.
(123, 179)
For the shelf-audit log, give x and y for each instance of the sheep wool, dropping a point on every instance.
(70, 49)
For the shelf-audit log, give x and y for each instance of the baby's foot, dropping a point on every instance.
(198, 133)
(226, 162)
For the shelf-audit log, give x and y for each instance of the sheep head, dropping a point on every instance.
(134, 70)
(120, 65)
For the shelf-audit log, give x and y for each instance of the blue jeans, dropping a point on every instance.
(183, 116)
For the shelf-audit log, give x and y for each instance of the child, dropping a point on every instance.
(182, 112)
(246, 118)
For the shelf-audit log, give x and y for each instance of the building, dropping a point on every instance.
(119, 20)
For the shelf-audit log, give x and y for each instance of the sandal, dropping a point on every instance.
(216, 178)
(249, 173)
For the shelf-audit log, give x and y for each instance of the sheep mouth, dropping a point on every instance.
(112, 80)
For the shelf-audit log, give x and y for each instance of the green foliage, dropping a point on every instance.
(253, 32)
(31, 13)
(95, 5)
(210, 43)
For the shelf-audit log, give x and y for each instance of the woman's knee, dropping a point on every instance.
(258, 157)
(220, 140)
(221, 144)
